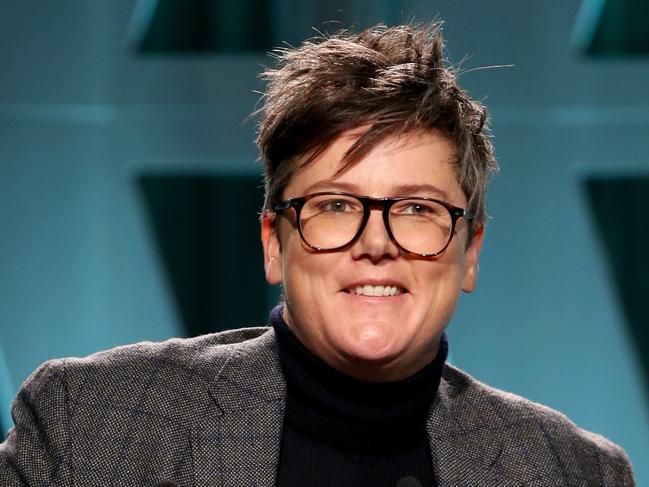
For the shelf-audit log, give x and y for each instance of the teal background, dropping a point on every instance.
(91, 109)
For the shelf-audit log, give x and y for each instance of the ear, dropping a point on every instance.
(472, 259)
(272, 249)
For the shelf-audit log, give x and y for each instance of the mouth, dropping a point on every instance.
(380, 290)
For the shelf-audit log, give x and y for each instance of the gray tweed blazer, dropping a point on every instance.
(208, 411)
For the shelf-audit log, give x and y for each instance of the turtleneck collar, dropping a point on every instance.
(332, 407)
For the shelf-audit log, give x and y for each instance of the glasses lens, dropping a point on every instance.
(421, 226)
(329, 221)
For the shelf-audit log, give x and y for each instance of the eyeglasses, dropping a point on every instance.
(333, 220)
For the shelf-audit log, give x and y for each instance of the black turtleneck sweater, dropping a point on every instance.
(340, 431)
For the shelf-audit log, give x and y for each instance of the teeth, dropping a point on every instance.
(368, 290)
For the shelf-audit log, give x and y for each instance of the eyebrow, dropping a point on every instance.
(398, 190)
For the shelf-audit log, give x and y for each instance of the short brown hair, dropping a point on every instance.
(393, 80)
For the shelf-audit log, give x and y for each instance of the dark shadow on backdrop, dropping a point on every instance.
(168, 26)
(613, 28)
(206, 228)
(620, 206)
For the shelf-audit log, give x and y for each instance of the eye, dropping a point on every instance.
(418, 208)
(336, 206)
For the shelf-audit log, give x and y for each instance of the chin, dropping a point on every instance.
(372, 344)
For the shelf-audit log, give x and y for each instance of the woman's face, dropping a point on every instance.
(377, 338)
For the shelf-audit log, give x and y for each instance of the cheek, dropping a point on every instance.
(305, 273)
(442, 281)
(309, 295)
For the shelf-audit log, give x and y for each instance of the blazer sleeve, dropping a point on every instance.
(37, 449)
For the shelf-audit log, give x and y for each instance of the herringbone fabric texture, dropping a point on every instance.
(208, 412)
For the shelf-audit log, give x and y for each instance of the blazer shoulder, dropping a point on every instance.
(179, 351)
(178, 367)
(555, 427)
(74, 412)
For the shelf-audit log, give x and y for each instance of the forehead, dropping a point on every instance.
(415, 163)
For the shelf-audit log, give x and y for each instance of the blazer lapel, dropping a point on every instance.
(238, 442)
(466, 447)
(475, 438)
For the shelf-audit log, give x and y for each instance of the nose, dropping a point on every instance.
(375, 242)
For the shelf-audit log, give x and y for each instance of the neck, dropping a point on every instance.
(319, 394)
